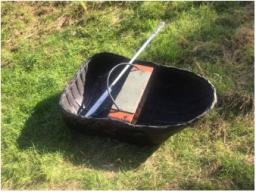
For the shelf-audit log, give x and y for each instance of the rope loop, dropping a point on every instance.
(109, 88)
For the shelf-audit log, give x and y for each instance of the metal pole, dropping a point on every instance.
(103, 97)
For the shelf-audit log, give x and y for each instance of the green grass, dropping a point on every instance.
(43, 45)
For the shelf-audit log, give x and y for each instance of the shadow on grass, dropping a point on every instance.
(47, 133)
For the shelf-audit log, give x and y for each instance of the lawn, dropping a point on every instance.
(43, 45)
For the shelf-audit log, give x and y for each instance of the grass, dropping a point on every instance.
(43, 45)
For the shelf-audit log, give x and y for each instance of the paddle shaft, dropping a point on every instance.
(104, 95)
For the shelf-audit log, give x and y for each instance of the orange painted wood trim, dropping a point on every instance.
(120, 115)
(144, 68)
